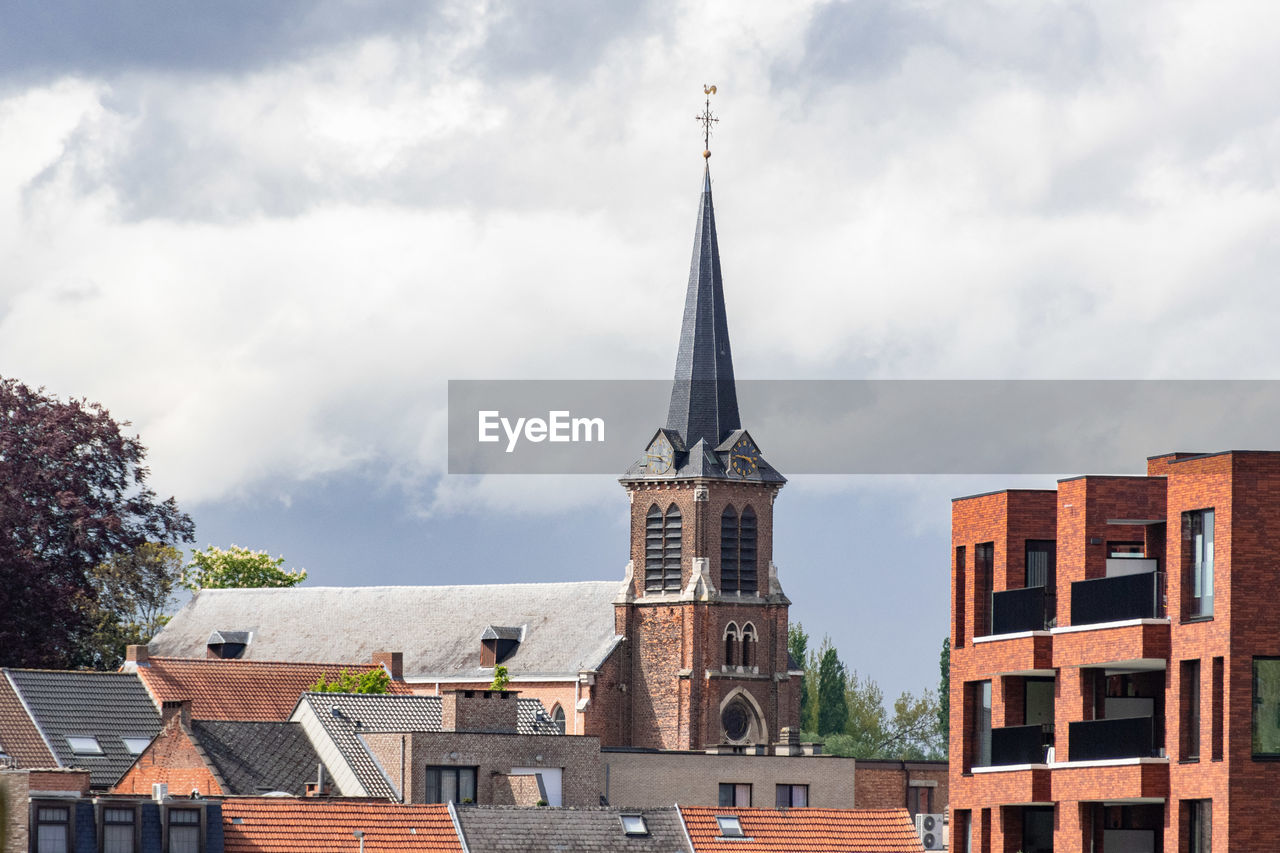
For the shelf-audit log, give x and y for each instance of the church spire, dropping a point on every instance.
(704, 399)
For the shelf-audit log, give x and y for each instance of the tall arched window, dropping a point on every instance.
(557, 717)
(738, 551)
(662, 532)
(748, 644)
(730, 644)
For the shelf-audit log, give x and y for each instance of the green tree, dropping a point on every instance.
(132, 591)
(501, 678)
(798, 646)
(833, 709)
(236, 567)
(369, 681)
(944, 696)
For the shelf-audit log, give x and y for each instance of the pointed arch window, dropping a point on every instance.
(748, 645)
(738, 551)
(662, 536)
(557, 717)
(731, 644)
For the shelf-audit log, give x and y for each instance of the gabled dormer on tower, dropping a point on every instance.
(704, 616)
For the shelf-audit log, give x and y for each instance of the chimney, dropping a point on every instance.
(392, 662)
(180, 708)
(490, 711)
(136, 655)
(318, 788)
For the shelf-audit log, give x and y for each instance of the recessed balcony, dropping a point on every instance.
(1117, 599)
(1016, 611)
(1104, 740)
(1013, 745)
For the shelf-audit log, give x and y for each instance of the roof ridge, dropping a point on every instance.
(243, 590)
(243, 661)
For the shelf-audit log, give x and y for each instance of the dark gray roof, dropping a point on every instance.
(345, 716)
(107, 706)
(254, 758)
(568, 627)
(704, 400)
(509, 829)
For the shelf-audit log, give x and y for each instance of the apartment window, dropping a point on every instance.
(662, 535)
(983, 574)
(980, 724)
(1197, 537)
(1266, 707)
(957, 642)
(451, 784)
(735, 795)
(117, 830)
(184, 831)
(1217, 700)
(1040, 554)
(962, 830)
(53, 829)
(792, 796)
(1199, 824)
(1190, 710)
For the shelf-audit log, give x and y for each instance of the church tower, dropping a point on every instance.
(704, 617)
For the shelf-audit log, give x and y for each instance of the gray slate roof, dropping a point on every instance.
(704, 399)
(105, 705)
(568, 627)
(254, 758)
(509, 829)
(362, 713)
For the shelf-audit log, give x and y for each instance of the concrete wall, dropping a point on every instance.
(649, 779)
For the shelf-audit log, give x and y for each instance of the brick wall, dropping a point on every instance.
(479, 711)
(884, 784)
(14, 785)
(650, 779)
(578, 757)
(174, 759)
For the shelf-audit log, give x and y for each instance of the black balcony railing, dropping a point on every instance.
(1017, 745)
(1101, 600)
(1017, 610)
(1126, 737)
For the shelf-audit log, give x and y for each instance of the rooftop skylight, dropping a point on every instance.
(84, 745)
(730, 826)
(634, 824)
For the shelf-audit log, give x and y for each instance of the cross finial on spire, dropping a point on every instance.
(707, 119)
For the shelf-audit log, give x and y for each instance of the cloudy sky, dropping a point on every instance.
(268, 234)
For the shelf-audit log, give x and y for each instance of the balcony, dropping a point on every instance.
(1103, 740)
(1117, 599)
(1014, 745)
(1015, 611)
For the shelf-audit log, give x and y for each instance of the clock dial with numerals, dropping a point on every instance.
(660, 457)
(744, 457)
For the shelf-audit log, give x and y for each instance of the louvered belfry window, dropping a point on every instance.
(738, 551)
(662, 535)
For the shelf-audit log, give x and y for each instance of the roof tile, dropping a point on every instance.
(805, 830)
(282, 825)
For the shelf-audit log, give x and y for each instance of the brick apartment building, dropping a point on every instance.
(1115, 664)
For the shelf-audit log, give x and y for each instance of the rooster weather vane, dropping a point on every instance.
(707, 119)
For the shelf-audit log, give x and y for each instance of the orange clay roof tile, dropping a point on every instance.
(805, 830)
(271, 825)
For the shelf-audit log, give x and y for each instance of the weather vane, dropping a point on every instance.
(707, 119)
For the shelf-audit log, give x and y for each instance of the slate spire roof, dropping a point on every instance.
(704, 400)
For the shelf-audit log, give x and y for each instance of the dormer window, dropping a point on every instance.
(498, 643)
(228, 645)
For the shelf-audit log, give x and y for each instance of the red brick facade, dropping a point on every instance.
(1150, 687)
(682, 661)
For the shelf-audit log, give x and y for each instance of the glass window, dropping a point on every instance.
(984, 556)
(136, 745)
(1190, 721)
(451, 784)
(634, 824)
(184, 831)
(730, 826)
(1039, 568)
(84, 745)
(557, 717)
(53, 829)
(980, 731)
(1199, 825)
(1266, 707)
(117, 830)
(735, 795)
(792, 796)
(1197, 534)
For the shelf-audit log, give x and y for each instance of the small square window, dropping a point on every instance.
(634, 824)
(136, 745)
(84, 745)
(730, 826)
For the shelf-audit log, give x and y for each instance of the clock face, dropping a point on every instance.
(744, 457)
(660, 457)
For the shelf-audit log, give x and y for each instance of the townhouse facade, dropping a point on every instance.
(1115, 662)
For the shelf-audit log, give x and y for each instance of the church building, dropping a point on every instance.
(690, 653)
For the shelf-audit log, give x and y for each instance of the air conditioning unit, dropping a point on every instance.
(930, 828)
